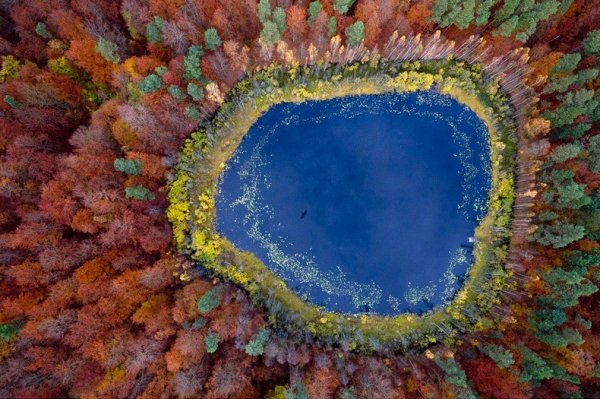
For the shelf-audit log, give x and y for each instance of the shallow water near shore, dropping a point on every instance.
(361, 203)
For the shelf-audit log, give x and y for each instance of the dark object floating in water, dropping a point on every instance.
(303, 214)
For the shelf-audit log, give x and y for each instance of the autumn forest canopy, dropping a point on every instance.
(129, 129)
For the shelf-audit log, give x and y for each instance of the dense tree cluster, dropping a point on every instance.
(96, 99)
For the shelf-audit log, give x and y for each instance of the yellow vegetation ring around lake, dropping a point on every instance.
(205, 154)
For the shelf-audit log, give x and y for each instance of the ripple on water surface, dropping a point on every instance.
(361, 202)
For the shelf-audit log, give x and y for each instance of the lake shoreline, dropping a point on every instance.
(205, 155)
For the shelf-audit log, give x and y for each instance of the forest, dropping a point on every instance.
(114, 283)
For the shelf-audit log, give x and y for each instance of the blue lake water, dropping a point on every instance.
(361, 203)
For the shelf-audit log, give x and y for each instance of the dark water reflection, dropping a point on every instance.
(361, 203)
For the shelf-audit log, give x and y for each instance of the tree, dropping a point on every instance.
(591, 43)
(191, 63)
(355, 33)
(537, 127)
(41, 30)
(264, 11)
(297, 25)
(593, 158)
(139, 193)
(507, 27)
(195, 91)
(230, 376)
(270, 33)
(565, 287)
(347, 393)
(452, 371)
(212, 39)
(9, 330)
(108, 50)
(331, 26)
(175, 92)
(565, 152)
(314, 8)
(256, 345)
(322, 382)
(342, 6)
(506, 11)
(586, 75)
(279, 17)
(298, 391)
(154, 30)
(573, 104)
(567, 63)
(466, 14)
(572, 132)
(531, 14)
(210, 300)
(10, 68)
(559, 84)
(129, 166)
(211, 341)
(560, 338)
(192, 112)
(175, 38)
(439, 9)
(151, 84)
(534, 367)
(484, 11)
(456, 376)
(12, 102)
(500, 355)
(494, 382)
(559, 234)
(571, 195)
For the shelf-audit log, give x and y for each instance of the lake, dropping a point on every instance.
(361, 203)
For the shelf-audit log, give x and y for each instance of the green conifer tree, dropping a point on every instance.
(355, 33)
(212, 39)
